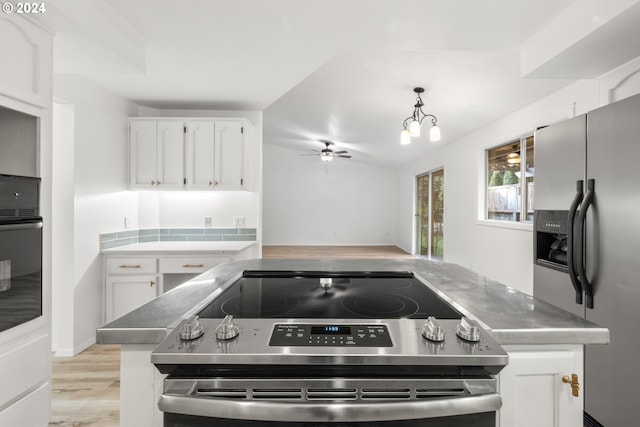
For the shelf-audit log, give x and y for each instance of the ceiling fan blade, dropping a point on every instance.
(340, 152)
(344, 156)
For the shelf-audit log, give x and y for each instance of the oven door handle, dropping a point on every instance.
(21, 226)
(328, 412)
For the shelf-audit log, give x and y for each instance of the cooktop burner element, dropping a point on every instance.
(337, 295)
(380, 305)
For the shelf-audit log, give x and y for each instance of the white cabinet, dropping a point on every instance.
(132, 281)
(229, 155)
(200, 154)
(26, 71)
(532, 388)
(214, 153)
(126, 293)
(129, 283)
(195, 154)
(157, 154)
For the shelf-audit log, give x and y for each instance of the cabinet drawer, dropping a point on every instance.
(131, 265)
(189, 265)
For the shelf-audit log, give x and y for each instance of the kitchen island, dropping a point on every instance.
(543, 342)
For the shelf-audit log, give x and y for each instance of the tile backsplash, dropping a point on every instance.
(128, 237)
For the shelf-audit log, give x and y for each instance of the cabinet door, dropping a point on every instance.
(25, 73)
(229, 151)
(533, 393)
(170, 143)
(125, 293)
(200, 152)
(142, 139)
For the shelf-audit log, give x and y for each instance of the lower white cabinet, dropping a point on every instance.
(132, 281)
(25, 377)
(533, 391)
(126, 293)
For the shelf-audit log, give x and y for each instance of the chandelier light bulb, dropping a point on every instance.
(405, 137)
(434, 133)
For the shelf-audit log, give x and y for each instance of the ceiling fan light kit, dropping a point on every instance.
(327, 154)
(412, 124)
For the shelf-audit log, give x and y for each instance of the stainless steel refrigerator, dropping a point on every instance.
(587, 246)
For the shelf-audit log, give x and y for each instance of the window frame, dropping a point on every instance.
(417, 247)
(523, 223)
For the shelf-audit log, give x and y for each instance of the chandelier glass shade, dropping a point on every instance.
(412, 124)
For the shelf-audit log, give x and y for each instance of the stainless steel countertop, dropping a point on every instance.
(513, 317)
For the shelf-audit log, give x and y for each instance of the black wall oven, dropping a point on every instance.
(20, 251)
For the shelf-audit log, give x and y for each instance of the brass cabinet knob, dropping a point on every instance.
(575, 384)
(151, 283)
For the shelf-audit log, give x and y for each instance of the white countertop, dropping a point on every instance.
(220, 247)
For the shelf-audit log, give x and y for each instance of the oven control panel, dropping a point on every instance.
(325, 335)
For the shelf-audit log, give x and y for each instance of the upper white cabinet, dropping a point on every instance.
(198, 154)
(157, 154)
(26, 68)
(229, 155)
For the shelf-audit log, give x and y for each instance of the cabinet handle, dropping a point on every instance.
(193, 265)
(575, 384)
(210, 183)
(153, 183)
(151, 283)
(157, 183)
(130, 266)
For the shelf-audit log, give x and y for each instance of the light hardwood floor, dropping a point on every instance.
(86, 388)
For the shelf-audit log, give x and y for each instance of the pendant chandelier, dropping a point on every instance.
(411, 125)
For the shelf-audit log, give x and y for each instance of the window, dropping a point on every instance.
(430, 214)
(509, 196)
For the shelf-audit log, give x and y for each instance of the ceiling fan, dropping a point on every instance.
(327, 154)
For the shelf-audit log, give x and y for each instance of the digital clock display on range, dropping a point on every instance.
(330, 330)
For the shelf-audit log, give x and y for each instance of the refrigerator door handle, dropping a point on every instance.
(572, 260)
(582, 217)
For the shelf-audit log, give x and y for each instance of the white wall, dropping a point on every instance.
(188, 208)
(349, 204)
(100, 202)
(501, 252)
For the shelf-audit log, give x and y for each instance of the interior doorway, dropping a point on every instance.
(430, 215)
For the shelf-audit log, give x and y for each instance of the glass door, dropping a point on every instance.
(430, 214)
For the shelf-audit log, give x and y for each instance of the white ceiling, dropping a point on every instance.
(343, 70)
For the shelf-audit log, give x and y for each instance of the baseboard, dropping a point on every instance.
(68, 352)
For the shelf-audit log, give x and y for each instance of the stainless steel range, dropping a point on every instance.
(309, 348)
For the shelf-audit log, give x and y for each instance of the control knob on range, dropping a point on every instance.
(468, 331)
(432, 330)
(191, 329)
(227, 330)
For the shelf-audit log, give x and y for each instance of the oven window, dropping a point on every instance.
(485, 419)
(20, 273)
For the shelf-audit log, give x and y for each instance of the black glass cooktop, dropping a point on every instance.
(330, 295)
